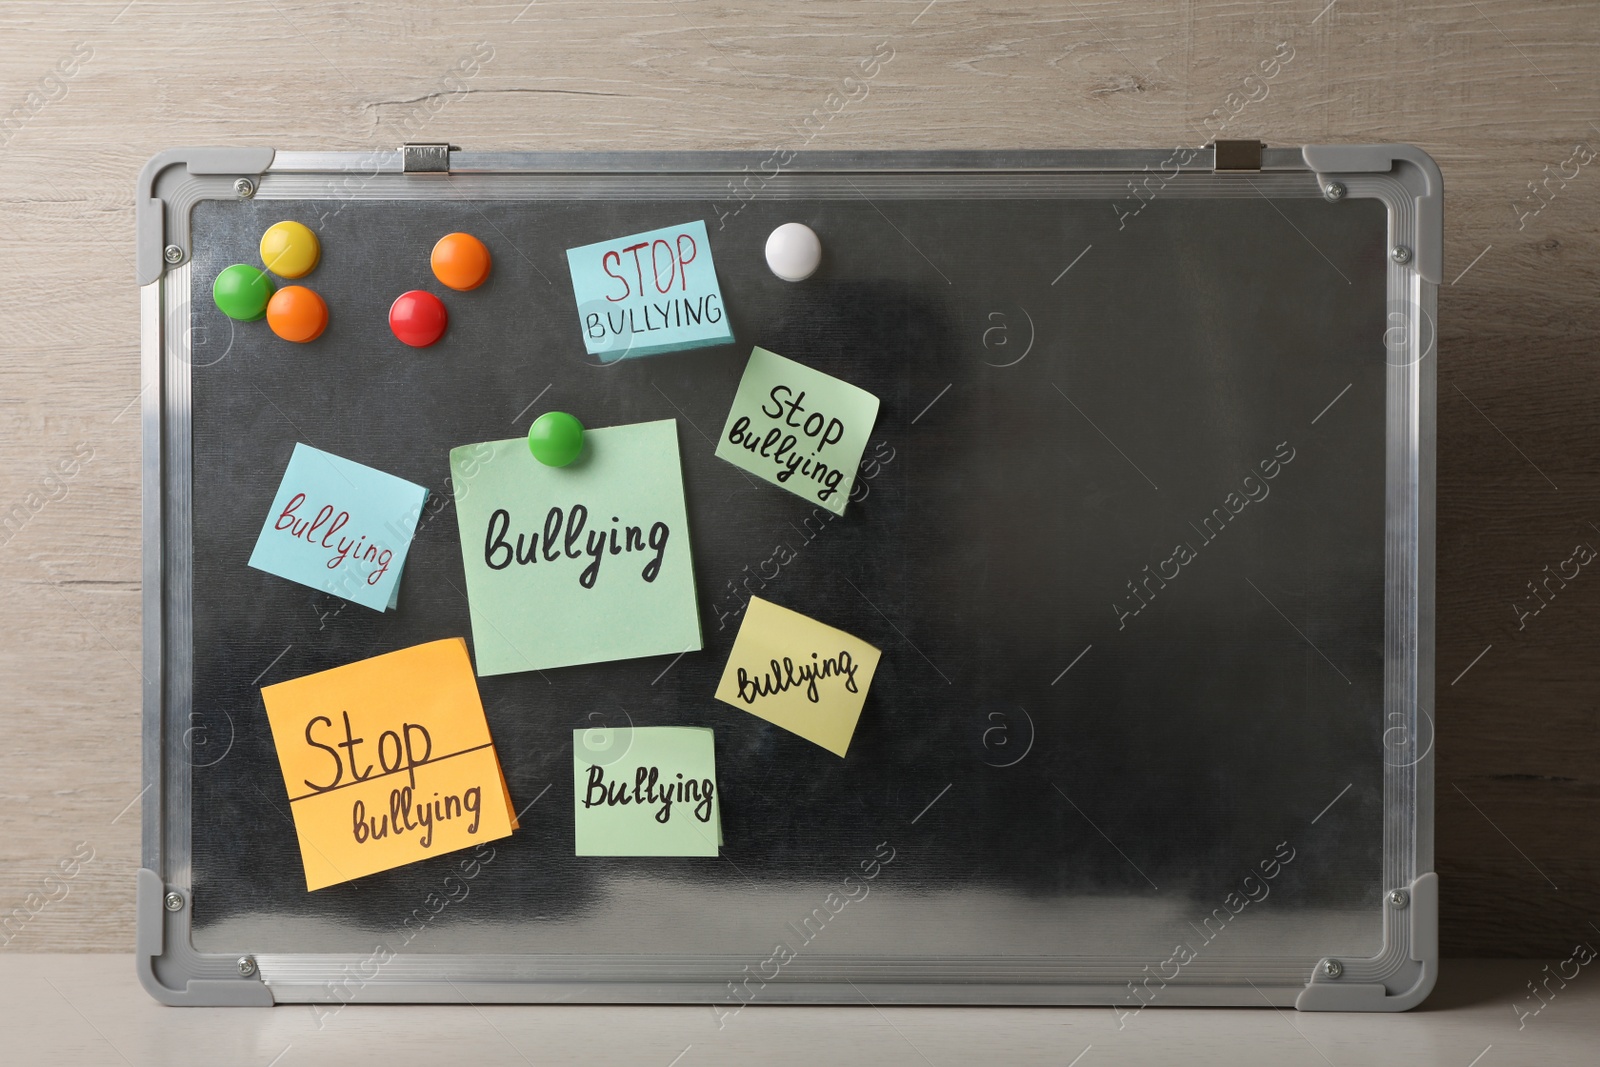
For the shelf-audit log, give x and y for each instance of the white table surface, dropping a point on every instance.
(89, 1009)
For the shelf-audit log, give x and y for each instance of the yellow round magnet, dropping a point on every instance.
(290, 249)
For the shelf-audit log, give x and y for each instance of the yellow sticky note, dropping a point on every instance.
(799, 674)
(387, 761)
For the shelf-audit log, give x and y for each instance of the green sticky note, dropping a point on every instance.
(577, 564)
(645, 791)
(798, 428)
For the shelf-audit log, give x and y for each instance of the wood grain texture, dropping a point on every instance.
(1496, 90)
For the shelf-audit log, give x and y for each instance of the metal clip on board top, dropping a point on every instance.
(1236, 155)
(426, 158)
(1278, 387)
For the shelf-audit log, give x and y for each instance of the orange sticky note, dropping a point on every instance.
(388, 761)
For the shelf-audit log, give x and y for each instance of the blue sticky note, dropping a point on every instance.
(340, 527)
(649, 293)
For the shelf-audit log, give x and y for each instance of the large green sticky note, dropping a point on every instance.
(577, 564)
(798, 428)
(645, 791)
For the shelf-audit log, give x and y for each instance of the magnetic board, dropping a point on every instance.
(1083, 745)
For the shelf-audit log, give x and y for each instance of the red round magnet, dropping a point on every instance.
(418, 318)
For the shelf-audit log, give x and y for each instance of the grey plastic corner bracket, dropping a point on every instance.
(1420, 969)
(172, 980)
(1414, 169)
(149, 209)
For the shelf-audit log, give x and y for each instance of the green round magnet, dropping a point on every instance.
(555, 438)
(242, 292)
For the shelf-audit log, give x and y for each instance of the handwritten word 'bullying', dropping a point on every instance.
(340, 527)
(788, 418)
(778, 671)
(559, 542)
(648, 293)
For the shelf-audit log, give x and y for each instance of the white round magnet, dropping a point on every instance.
(794, 251)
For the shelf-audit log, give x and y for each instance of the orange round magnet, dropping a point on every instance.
(461, 261)
(295, 313)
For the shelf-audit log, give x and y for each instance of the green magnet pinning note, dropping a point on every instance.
(241, 292)
(555, 438)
